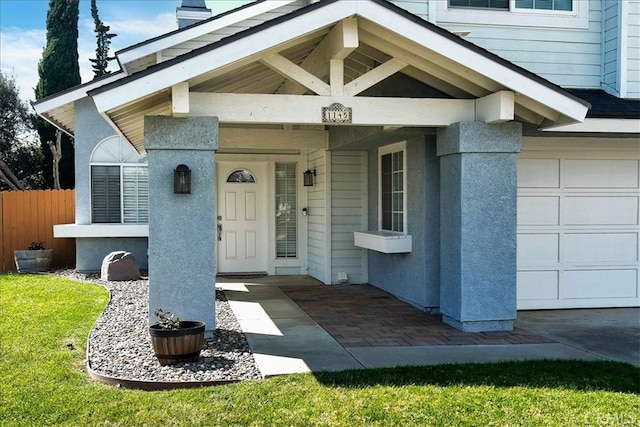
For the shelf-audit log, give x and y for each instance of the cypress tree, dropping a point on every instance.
(103, 40)
(59, 70)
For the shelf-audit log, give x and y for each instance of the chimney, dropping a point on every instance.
(191, 12)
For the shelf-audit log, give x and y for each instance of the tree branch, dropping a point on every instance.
(56, 152)
(9, 177)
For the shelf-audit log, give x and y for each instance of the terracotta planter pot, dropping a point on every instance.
(173, 346)
(33, 261)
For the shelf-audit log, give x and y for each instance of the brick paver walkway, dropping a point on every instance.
(362, 315)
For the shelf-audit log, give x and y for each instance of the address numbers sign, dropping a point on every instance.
(336, 113)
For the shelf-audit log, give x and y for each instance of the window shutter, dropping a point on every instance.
(135, 194)
(286, 211)
(105, 184)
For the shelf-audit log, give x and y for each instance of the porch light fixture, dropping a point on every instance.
(182, 180)
(309, 175)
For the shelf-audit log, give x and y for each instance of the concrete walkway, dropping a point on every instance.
(285, 339)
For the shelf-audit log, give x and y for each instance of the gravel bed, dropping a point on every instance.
(119, 344)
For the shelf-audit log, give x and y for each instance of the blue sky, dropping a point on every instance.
(23, 31)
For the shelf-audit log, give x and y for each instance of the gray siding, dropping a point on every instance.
(610, 47)
(633, 50)
(567, 57)
(348, 214)
(317, 219)
(417, 7)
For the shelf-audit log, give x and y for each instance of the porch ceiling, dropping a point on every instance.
(300, 59)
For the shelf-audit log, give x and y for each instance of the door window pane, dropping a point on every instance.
(241, 175)
(286, 210)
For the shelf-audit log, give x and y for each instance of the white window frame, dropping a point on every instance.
(293, 212)
(388, 149)
(578, 18)
(114, 151)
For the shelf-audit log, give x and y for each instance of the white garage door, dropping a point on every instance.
(578, 224)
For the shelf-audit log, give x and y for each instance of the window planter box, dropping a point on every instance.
(386, 242)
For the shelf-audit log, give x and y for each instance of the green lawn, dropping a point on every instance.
(42, 382)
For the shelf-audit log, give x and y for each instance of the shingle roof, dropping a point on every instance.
(606, 106)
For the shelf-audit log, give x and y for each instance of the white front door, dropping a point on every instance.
(242, 217)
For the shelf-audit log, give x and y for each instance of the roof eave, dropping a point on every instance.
(74, 93)
(50, 107)
(599, 125)
(165, 41)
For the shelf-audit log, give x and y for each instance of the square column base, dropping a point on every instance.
(479, 325)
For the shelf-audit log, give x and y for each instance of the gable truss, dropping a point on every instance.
(334, 54)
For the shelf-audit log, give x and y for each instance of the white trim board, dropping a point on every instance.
(100, 230)
(600, 126)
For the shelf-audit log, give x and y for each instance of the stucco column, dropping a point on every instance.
(478, 192)
(182, 227)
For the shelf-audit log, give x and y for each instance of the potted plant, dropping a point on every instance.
(174, 340)
(37, 258)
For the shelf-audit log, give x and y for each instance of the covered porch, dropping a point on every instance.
(336, 86)
(295, 324)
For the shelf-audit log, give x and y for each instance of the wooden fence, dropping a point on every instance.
(29, 216)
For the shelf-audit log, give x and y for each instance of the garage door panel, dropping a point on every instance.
(587, 248)
(538, 210)
(535, 285)
(600, 284)
(600, 173)
(579, 226)
(537, 248)
(538, 173)
(601, 210)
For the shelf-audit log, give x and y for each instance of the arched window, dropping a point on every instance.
(119, 183)
(241, 176)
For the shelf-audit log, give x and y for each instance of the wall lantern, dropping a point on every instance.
(182, 180)
(308, 177)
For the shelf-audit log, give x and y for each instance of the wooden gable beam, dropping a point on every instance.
(296, 73)
(466, 80)
(374, 76)
(180, 99)
(495, 108)
(301, 109)
(336, 45)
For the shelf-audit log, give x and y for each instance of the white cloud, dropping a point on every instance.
(129, 31)
(21, 51)
(135, 30)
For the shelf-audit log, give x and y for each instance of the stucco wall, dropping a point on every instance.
(413, 277)
(91, 252)
(90, 130)
(182, 227)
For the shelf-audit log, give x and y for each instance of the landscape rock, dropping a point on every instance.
(119, 266)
